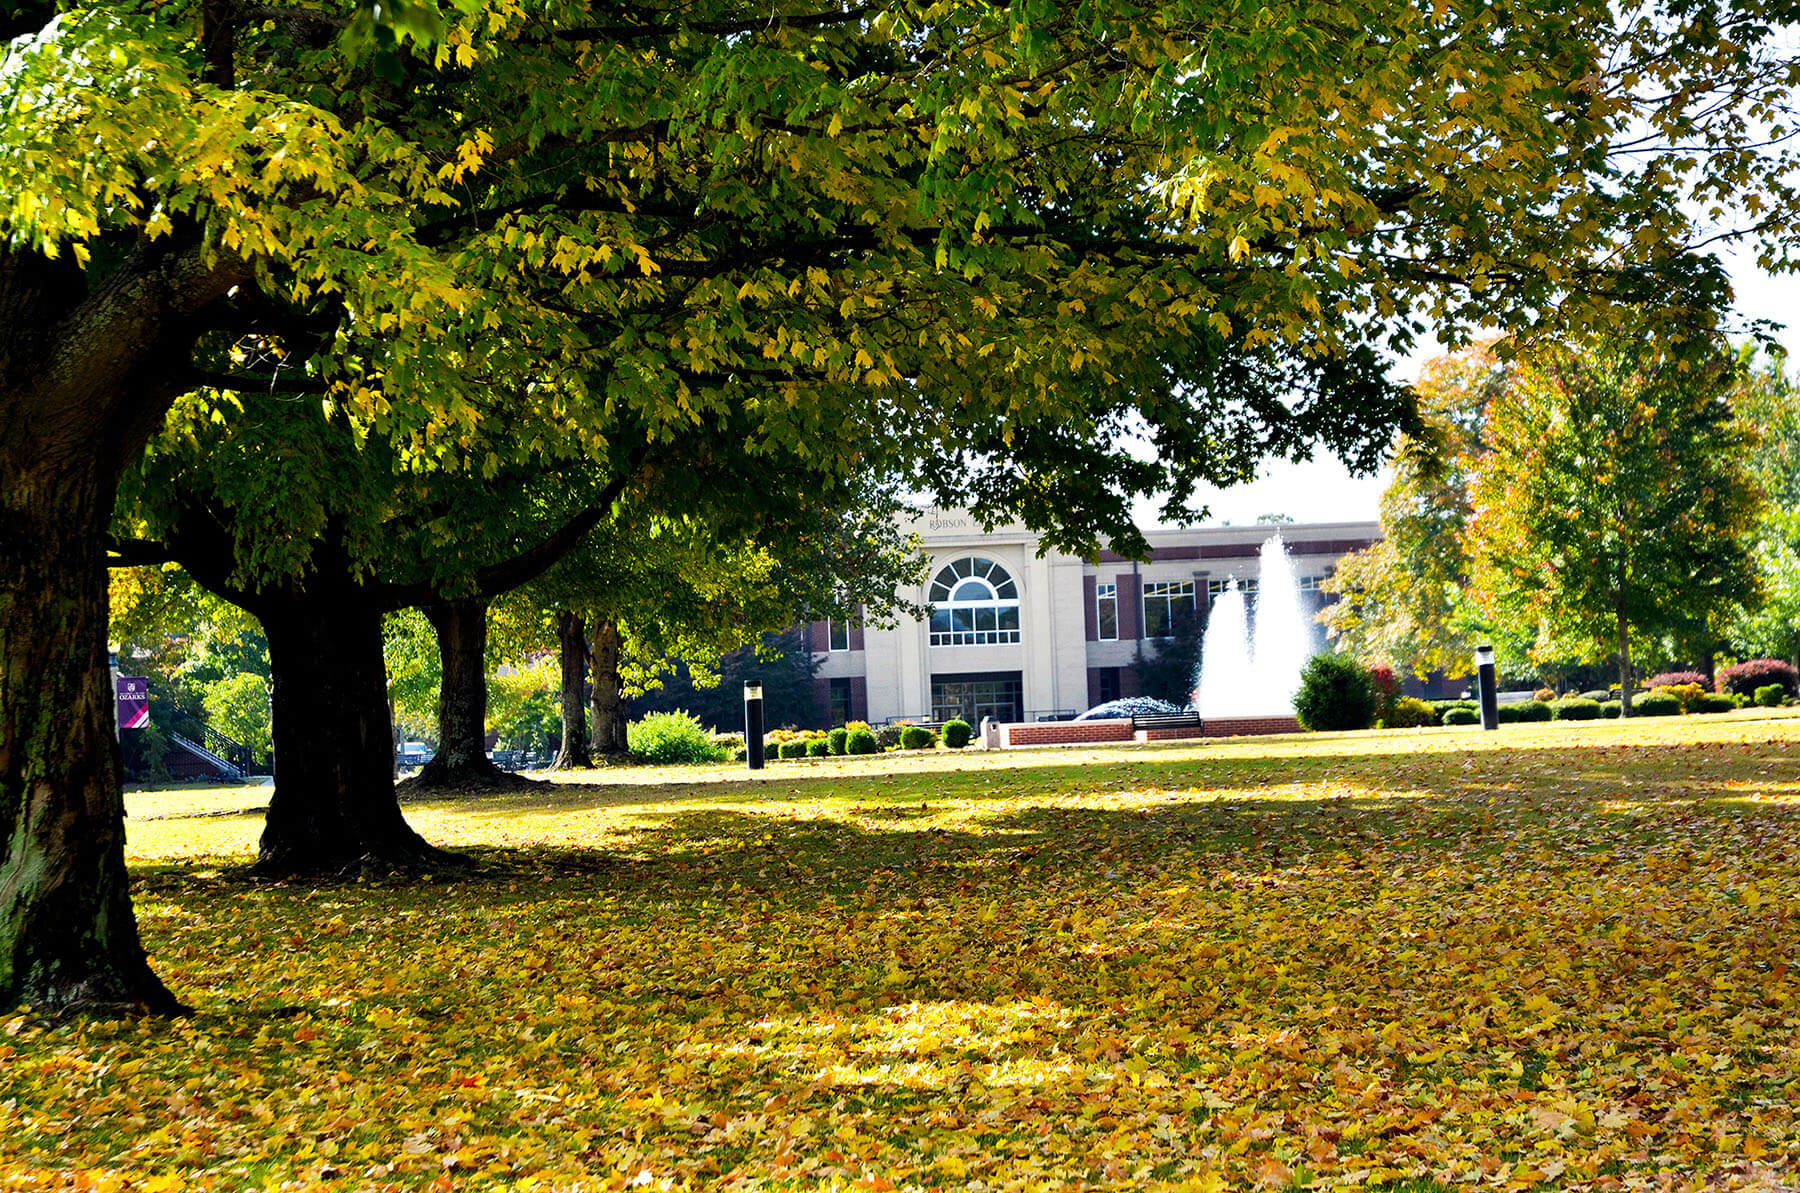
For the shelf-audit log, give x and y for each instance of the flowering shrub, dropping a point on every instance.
(1742, 679)
(1688, 694)
(1675, 679)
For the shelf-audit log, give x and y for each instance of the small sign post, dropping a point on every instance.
(753, 724)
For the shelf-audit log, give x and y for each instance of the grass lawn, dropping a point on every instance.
(1556, 956)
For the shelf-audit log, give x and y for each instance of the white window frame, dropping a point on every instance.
(1167, 591)
(1104, 595)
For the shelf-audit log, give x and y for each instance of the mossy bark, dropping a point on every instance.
(68, 939)
(575, 752)
(609, 691)
(461, 761)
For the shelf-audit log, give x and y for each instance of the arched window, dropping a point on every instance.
(974, 603)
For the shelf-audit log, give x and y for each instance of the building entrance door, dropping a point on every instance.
(996, 694)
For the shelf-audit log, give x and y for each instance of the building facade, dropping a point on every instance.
(1023, 637)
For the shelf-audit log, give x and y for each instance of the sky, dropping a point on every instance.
(1324, 491)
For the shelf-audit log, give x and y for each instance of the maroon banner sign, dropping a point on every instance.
(134, 701)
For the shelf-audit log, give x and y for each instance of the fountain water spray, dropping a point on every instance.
(1246, 676)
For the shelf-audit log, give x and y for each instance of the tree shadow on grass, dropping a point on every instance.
(837, 832)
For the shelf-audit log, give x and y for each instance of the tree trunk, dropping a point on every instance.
(461, 761)
(334, 810)
(67, 935)
(609, 692)
(574, 752)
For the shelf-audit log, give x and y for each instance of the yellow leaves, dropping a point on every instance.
(1100, 975)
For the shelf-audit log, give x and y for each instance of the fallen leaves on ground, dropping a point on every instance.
(1530, 959)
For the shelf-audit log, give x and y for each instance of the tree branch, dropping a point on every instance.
(131, 553)
(527, 565)
(268, 385)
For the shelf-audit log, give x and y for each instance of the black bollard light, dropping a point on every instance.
(1490, 690)
(753, 724)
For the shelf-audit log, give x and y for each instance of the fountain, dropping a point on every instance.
(1247, 674)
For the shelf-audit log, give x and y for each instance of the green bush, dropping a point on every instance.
(958, 733)
(1598, 695)
(796, 748)
(1609, 709)
(818, 747)
(1713, 702)
(917, 737)
(1770, 695)
(888, 736)
(834, 740)
(1576, 708)
(861, 741)
(1686, 694)
(728, 742)
(1656, 704)
(1524, 710)
(1461, 714)
(1440, 707)
(666, 738)
(1408, 712)
(1335, 693)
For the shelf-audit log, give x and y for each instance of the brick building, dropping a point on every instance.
(1021, 637)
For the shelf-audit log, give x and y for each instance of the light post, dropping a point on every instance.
(753, 724)
(1490, 691)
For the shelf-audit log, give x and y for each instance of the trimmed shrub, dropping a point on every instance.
(958, 733)
(1524, 710)
(888, 736)
(1544, 695)
(834, 740)
(1770, 695)
(818, 747)
(861, 741)
(1609, 710)
(1686, 694)
(1656, 704)
(1440, 707)
(666, 738)
(792, 748)
(1742, 679)
(1714, 702)
(1461, 714)
(1408, 712)
(1676, 679)
(917, 737)
(1335, 693)
(1599, 695)
(1575, 708)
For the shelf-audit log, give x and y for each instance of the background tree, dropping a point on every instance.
(663, 594)
(713, 690)
(1612, 504)
(1171, 671)
(1404, 601)
(208, 666)
(1012, 233)
(1767, 398)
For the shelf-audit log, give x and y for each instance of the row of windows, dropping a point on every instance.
(976, 603)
